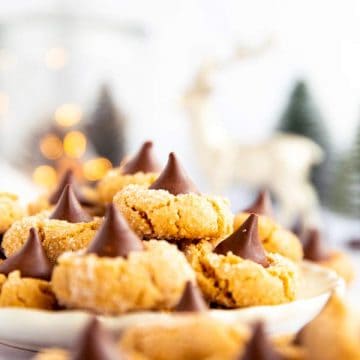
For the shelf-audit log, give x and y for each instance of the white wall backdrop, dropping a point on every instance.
(318, 40)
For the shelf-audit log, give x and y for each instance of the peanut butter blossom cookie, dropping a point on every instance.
(10, 211)
(139, 275)
(94, 343)
(273, 236)
(142, 169)
(68, 228)
(334, 334)
(173, 209)
(25, 276)
(86, 196)
(315, 251)
(197, 337)
(258, 347)
(238, 272)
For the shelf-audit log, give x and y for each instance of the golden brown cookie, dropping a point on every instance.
(232, 281)
(195, 337)
(57, 236)
(42, 203)
(145, 280)
(94, 342)
(341, 264)
(87, 196)
(61, 354)
(162, 215)
(10, 210)
(334, 334)
(141, 169)
(191, 338)
(115, 180)
(17, 291)
(316, 251)
(275, 238)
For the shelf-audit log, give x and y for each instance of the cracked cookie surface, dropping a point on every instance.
(230, 281)
(115, 180)
(16, 291)
(274, 237)
(161, 215)
(145, 280)
(10, 210)
(57, 236)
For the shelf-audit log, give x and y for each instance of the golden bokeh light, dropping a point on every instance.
(95, 169)
(45, 175)
(4, 103)
(75, 144)
(56, 58)
(68, 115)
(51, 147)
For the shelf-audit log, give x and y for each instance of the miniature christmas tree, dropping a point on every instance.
(345, 189)
(301, 117)
(106, 128)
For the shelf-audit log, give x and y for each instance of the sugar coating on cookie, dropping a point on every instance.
(161, 215)
(274, 237)
(10, 210)
(150, 279)
(231, 281)
(57, 236)
(17, 291)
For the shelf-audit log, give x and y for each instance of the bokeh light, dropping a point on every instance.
(68, 115)
(56, 58)
(45, 176)
(75, 144)
(51, 147)
(95, 169)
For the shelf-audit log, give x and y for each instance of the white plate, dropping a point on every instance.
(34, 329)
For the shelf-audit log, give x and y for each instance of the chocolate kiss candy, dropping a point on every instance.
(114, 238)
(68, 179)
(262, 204)
(95, 343)
(30, 260)
(68, 208)
(144, 161)
(259, 347)
(191, 299)
(244, 242)
(174, 179)
(313, 246)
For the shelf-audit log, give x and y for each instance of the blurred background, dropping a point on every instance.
(84, 83)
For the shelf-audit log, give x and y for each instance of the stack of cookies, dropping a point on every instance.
(147, 239)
